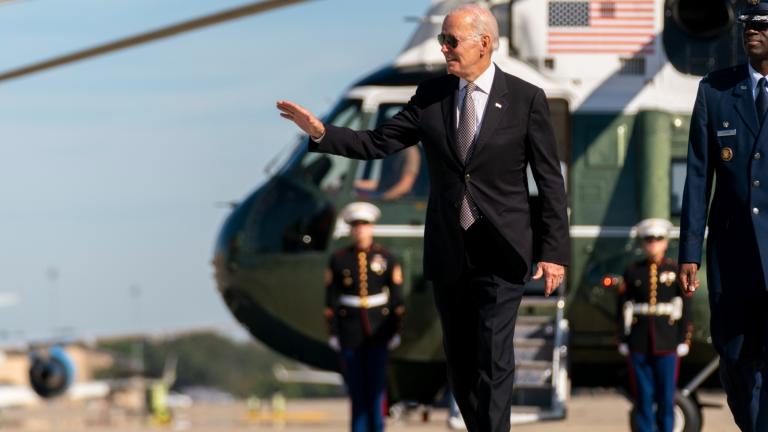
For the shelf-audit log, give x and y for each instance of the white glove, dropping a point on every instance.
(333, 342)
(394, 342)
(624, 349)
(682, 350)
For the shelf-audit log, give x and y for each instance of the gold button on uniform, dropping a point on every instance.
(726, 154)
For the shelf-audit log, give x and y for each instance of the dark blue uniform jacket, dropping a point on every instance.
(727, 147)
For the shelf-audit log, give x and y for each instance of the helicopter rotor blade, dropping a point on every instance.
(139, 39)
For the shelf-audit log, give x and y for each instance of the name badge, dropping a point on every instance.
(726, 132)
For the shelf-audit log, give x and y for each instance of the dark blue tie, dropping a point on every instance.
(761, 101)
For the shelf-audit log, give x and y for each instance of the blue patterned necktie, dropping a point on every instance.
(761, 101)
(465, 137)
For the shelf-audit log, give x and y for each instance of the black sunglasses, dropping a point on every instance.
(447, 39)
(759, 26)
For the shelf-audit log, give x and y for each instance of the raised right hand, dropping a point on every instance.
(304, 119)
(688, 279)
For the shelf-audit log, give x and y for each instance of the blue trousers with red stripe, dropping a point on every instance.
(653, 379)
(365, 375)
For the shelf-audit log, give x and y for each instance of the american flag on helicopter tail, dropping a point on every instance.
(601, 26)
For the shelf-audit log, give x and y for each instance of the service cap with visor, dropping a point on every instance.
(756, 13)
(357, 212)
(653, 229)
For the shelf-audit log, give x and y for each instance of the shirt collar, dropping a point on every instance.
(754, 76)
(484, 81)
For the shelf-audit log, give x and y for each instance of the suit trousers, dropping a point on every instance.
(478, 311)
(739, 323)
(745, 375)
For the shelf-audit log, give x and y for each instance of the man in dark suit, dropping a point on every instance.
(480, 128)
(729, 141)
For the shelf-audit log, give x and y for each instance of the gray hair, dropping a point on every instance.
(482, 20)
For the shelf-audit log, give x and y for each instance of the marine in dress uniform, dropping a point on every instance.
(364, 309)
(728, 146)
(654, 328)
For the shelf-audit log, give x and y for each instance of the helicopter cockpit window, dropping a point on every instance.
(401, 175)
(294, 212)
(328, 172)
(677, 184)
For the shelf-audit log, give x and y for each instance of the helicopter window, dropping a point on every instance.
(328, 172)
(401, 175)
(677, 184)
(294, 212)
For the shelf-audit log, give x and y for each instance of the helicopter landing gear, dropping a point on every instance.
(687, 414)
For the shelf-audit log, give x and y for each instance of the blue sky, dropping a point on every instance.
(113, 169)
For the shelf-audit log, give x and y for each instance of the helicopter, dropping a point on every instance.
(620, 78)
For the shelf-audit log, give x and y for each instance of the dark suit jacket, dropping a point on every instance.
(516, 131)
(727, 142)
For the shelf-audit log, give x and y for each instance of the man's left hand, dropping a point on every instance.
(553, 276)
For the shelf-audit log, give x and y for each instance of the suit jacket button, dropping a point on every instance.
(757, 156)
(756, 211)
(755, 183)
(466, 178)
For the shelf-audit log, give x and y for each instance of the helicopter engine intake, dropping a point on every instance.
(703, 18)
(700, 35)
(51, 371)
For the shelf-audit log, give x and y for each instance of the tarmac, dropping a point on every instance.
(589, 410)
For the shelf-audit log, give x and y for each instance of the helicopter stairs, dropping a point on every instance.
(541, 359)
(542, 384)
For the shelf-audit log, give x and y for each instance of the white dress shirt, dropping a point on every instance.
(479, 96)
(755, 76)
